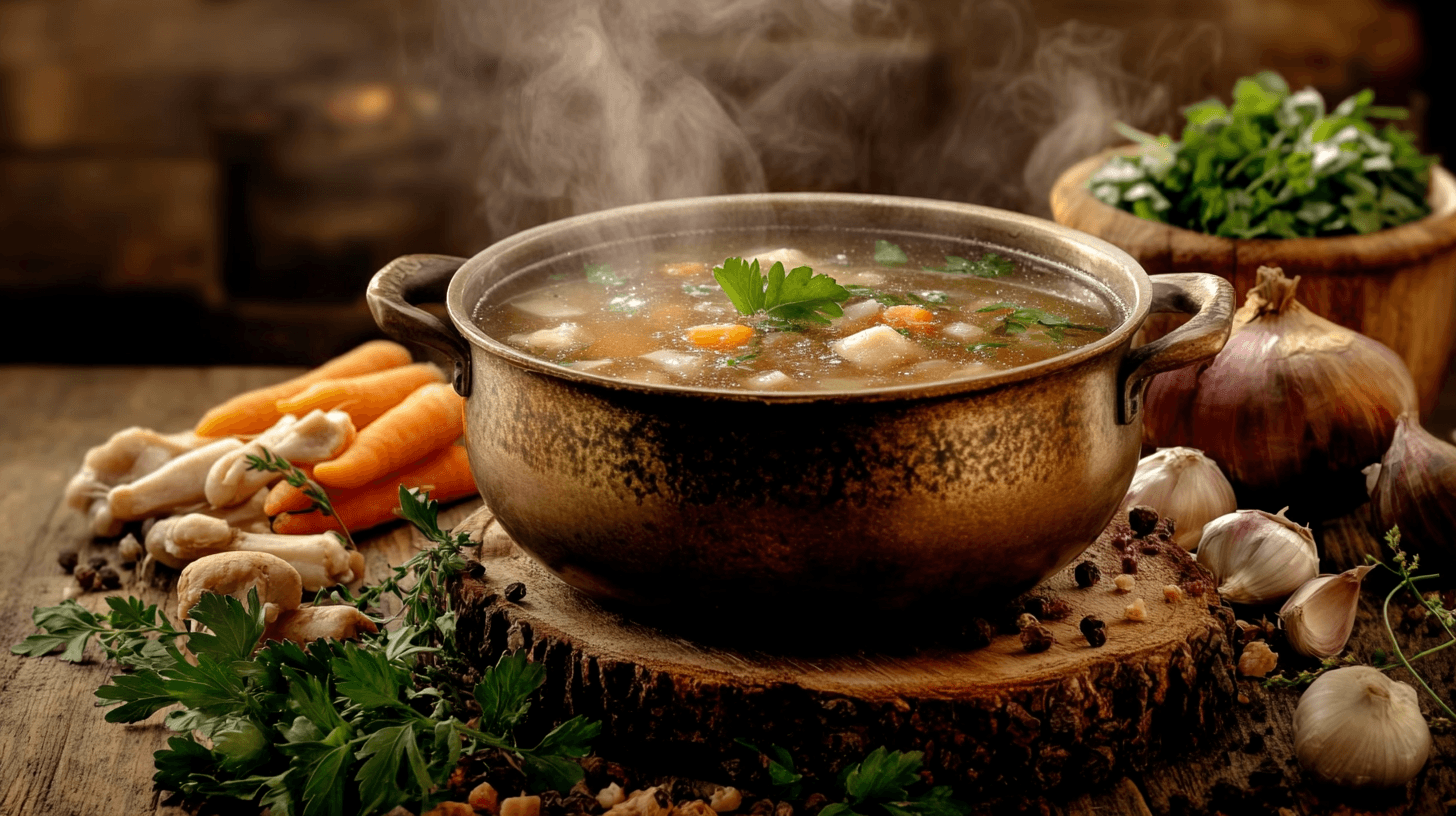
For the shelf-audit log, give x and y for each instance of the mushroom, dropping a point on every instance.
(177, 483)
(321, 560)
(234, 573)
(309, 623)
(317, 437)
(248, 516)
(128, 455)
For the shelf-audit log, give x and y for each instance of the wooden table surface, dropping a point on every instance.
(59, 757)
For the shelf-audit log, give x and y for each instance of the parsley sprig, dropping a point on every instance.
(879, 785)
(1274, 164)
(799, 295)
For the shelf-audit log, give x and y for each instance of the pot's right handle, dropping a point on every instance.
(1210, 299)
(389, 296)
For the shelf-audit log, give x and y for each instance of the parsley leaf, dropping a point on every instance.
(503, 690)
(1018, 319)
(990, 265)
(881, 782)
(799, 295)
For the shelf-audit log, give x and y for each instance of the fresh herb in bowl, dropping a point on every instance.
(1274, 164)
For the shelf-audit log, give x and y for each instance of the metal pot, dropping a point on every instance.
(883, 499)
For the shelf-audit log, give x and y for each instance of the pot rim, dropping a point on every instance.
(1135, 313)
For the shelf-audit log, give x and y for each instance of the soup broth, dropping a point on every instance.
(896, 313)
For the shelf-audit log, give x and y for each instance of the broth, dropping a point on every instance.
(912, 311)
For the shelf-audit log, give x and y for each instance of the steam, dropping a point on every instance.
(576, 106)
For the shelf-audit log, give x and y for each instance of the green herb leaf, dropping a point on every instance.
(602, 274)
(883, 775)
(799, 295)
(235, 629)
(503, 692)
(888, 254)
(990, 265)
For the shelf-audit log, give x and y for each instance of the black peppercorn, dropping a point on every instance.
(107, 578)
(1035, 605)
(515, 592)
(476, 570)
(1037, 638)
(1094, 630)
(977, 634)
(1087, 574)
(1142, 519)
(85, 576)
(68, 560)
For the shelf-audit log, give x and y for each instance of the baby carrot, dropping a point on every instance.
(257, 410)
(285, 498)
(913, 318)
(427, 420)
(365, 397)
(445, 472)
(719, 336)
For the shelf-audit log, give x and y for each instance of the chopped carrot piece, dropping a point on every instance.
(366, 397)
(427, 420)
(256, 411)
(913, 318)
(719, 336)
(445, 473)
(684, 270)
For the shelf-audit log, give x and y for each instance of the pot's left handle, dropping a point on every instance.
(1210, 299)
(389, 296)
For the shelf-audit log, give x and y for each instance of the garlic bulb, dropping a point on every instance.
(1319, 616)
(1257, 557)
(1414, 488)
(1184, 485)
(1356, 727)
(1292, 407)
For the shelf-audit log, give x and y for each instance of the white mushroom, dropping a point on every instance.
(234, 573)
(309, 623)
(879, 348)
(248, 516)
(317, 437)
(128, 455)
(178, 483)
(321, 560)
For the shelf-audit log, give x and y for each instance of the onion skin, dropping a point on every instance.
(1291, 409)
(1414, 488)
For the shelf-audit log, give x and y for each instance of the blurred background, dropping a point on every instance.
(214, 181)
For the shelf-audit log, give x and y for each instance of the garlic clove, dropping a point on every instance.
(1356, 727)
(1414, 488)
(1257, 557)
(1320, 615)
(1184, 485)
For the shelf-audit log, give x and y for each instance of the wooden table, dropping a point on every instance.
(58, 756)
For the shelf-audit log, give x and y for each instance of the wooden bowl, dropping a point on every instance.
(1397, 285)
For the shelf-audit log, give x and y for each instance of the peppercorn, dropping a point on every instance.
(107, 578)
(1087, 574)
(1037, 638)
(476, 570)
(68, 560)
(1035, 605)
(977, 634)
(85, 576)
(1094, 630)
(1142, 519)
(515, 592)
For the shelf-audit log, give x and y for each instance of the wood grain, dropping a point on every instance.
(1397, 285)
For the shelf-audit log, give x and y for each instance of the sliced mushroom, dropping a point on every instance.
(234, 574)
(317, 437)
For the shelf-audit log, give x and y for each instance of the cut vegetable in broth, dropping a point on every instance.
(830, 312)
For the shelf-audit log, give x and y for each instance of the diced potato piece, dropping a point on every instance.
(678, 363)
(857, 316)
(770, 381)
(719, 336)
(565, 337)
(914, 319)
(790, 258)
(963, 332)
(549, 304)
(878, 348)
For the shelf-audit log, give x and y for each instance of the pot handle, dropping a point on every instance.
(388, 296)
(1210, 299)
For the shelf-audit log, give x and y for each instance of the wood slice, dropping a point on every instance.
(991, 720)
(1396, 285)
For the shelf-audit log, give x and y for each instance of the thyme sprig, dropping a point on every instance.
(295, 477)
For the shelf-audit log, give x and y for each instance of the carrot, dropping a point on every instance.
(426, 420)
(719, 336)
(913, 318)
(257, 410)
(285, 498)
(446, 473)
(365, 397)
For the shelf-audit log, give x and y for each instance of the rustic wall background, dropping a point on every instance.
(215, 180)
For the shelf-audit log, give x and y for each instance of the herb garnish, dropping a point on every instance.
(931, 299)
(318, 498)
(602, 274)
(798, 295)
(974, 347)
(990, 265)
(1019, 319)
(1274, 164)
(888, 254)
(356, 727)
